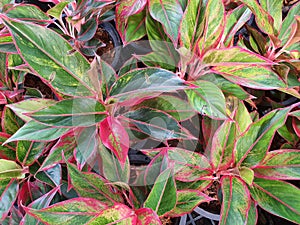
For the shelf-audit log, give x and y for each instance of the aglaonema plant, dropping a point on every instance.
(71, 154)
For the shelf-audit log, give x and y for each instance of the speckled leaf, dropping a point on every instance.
(70, 212)
(111, 167)
(130, 20)
(187, 200)
(71, 113)
(252, 214)
(29, 105)
(214, 25)
(273, 7)
(28, 152)
(169, 14)
(157, 124)
(140, 82)
(233, 56)
(227, 87)
(119, 212)
(280, 164)
(286, 27)
(252, 146)
(47, 53)
(57, 10)
(189, 166)
(64, 146)
(162, 197)
(27, 13)
(220, 154)
(246, 174)
(33, 131)
(7, 45)
(192, 24)
(277, 197)
(114, 136)
(257, 77)
(91, 185)
(41, 202)
(147, 216)
(262, 18)
(8, 194)
(208, 100)
(10, 122)
(235, 19)
(236, 201)
(10, 169)
(173, 105)
(7, 151)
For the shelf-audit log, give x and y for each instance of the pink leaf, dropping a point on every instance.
(147, 216)
(114, 136)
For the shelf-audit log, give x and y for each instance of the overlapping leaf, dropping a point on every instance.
(73, 211)
(270, 196)
(71, 113)
(280, 164)
(47, 53)
(8, 194)
(162, 197)
(28, 152)
(169, 14)
(91, 185)
(236, 201)
(252, 146)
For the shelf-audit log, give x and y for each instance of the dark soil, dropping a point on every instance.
(107, 51)
(32, 81)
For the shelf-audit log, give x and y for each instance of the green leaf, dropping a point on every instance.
(64, 147)
(257, 77)
(28, 152)
(10, 122)
(27, 13)
(236, 201)
(280, 164)
(8, 194)
(7, 45)
(277, 197)
(252, 146)
(233, 56)
(208, 99)
(214, 27)
(187, 200)
(7, 151)
(39, 203)
(175, 106)
(263, 19)
(23, 107)
(227, 87)
(135, 27)
(56, 11)
(119, 212)
(71, 113)
(235, 19)
(10, 169)
(162, 197)
(220, 154)
(87, 30)
(70, 212)
(49, 55)
(91, 185)
(247, 174)
(156, 124)
(189, 166)
(169, 14)
(273, 7)
(33, 131)
(287, 24)
(192, 24)
(142, 82)
(252, 214)
(111, 167)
